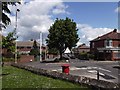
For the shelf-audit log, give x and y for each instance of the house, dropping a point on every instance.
(82, 48)
(24, 47)
(107, 46)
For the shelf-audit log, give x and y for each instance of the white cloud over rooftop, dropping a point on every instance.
(36, 16)
(87, 33)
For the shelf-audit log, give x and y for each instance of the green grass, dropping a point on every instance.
(19, 78)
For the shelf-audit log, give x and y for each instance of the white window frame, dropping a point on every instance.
(108, 43)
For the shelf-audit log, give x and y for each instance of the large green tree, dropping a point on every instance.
(62, 34)
(5, 19)
(8, 43)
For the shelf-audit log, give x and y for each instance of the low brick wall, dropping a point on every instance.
(75, 79)
(26, 58)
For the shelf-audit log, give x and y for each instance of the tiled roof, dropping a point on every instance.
(83, 46)
(111, 35)
(26, 43)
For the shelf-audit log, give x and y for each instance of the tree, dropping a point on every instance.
(53, 51)
(35, 50)
(5, 19)
(62, 34)
(8, 42)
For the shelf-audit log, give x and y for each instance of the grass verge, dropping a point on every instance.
(18, 78)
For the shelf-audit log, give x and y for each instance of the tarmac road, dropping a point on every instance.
(106, 69)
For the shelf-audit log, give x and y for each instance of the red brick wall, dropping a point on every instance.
(97, 44)
(116, 43)
(100, 44)
(26, 58)
(24, 49)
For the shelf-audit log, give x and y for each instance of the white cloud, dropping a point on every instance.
(34, 17)
(60, 9)
(78, 43)
(88, 33)
(117, 10)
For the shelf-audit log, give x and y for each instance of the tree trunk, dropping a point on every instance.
(60, 54)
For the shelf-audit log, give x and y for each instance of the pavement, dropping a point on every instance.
(106, 69)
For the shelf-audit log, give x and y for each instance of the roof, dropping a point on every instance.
(111, 35)
(26, 43)
(83, 46)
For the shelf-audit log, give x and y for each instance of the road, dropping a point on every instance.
(106, 69)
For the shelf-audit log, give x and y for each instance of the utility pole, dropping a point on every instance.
(40, 46)
(17, 10)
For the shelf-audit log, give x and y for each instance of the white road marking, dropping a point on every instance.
(104, 69)
(94, 71)
(54, 70)
(98, 68)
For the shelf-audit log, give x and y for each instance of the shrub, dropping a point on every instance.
(83, 56)
(7, 59)
(91, 56)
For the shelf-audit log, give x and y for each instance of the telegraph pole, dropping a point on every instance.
(17, 10)
(40, 46)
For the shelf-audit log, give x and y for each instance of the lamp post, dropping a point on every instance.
(40, 46)
(17, 10)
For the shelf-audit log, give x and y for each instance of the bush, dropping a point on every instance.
(91, 56)
(7, 59)
(83, 56)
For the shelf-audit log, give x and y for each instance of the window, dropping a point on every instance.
(108, 43)
(117, 55)
(93, 45)
(119, 45)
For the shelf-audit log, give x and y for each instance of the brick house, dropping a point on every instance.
(24, 47)
(81, 48)
(107, 46)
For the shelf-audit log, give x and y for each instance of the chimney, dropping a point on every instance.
(115, 30)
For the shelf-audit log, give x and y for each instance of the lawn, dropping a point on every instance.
(18, 78)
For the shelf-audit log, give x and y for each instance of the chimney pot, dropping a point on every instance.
(115, 30)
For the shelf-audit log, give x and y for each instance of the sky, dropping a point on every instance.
(93, 19)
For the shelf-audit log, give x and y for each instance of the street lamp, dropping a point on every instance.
(40, 46)
(17, 10)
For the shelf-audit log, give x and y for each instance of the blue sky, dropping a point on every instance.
(96, 14)
(93, 19)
